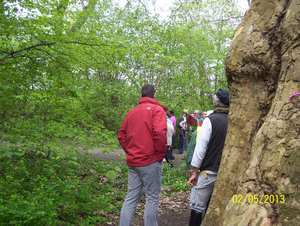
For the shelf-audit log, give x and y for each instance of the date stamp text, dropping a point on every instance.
(258, 199)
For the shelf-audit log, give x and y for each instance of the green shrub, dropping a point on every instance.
(65, 189)
(55, 191)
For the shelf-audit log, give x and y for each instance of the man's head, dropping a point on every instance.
(221, 98)
(148, 91)
(197, 113)
(184, 112)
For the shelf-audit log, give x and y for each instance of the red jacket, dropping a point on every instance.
(143, 133)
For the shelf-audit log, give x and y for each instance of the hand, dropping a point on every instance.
(193, 179)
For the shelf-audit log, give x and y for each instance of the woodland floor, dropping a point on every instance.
(173, 210)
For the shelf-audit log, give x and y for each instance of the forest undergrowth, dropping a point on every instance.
(65, 189)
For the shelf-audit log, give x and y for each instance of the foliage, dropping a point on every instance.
(71, 70)
(69, 73)
(57, 191)
(176, 178)
(66, 190)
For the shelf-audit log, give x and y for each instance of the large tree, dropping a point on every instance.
(261, 157)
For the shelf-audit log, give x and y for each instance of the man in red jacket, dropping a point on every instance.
(143, 138)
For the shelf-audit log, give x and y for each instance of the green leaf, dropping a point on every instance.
(111, 174)
(3, 148)
(118, 169)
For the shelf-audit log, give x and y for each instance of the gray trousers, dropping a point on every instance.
(148, 177)
(202, 191)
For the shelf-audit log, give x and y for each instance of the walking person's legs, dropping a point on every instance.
(168, 161)
(152, 176)
(169, 157)
(184, 140)
(180, 144)
(173, 137)
(187, 141)
(135, 188)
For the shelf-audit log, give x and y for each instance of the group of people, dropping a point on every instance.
(183, 127)
(145, 136)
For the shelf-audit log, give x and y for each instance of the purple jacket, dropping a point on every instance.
(173, 119)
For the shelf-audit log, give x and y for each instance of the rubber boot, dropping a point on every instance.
(195, 218)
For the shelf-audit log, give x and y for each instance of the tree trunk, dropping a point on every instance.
(262, 151)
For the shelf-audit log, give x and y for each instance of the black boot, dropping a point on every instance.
(195, 218)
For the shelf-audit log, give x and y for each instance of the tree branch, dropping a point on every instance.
(7, 56)
(12, 52)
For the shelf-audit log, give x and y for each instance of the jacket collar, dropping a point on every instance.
(152, 101)
(221, 110)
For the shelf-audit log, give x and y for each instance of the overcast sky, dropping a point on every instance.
(165, 4)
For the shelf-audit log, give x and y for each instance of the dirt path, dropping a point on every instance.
(172, 211)
(119, 155)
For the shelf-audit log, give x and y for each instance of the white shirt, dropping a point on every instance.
(201, 146)
(182, 123)
(170, 132)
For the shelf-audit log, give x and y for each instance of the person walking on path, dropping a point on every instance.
(170, 132)
(182, 126)
(143, 138)
(207, 156)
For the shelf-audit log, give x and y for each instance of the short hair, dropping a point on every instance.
(148, 91)
(218, 103)
(171, 112)
(198, 111)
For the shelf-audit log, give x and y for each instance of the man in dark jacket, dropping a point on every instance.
(143, 138)
(207, 156)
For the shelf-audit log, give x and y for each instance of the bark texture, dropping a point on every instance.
(262, 150)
